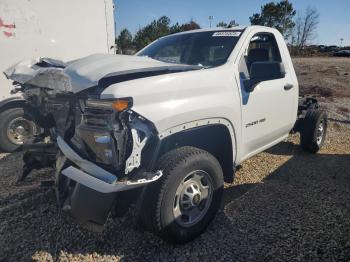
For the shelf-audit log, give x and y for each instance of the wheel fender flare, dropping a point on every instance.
(12, 102)
(201, 123)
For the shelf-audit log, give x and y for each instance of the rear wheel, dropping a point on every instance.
(181, 205)
(313, 130)
(15, 127)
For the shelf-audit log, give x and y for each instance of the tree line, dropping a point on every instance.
(298, 28)
(126, 43)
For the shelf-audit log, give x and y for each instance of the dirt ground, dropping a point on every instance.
(285, 205)
(328, 78)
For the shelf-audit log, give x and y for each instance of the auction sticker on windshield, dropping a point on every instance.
(226, 33)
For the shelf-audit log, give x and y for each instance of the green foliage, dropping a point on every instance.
(124, 41)
(231, 24)
(221, 24)
(149, 33)
(192, 25)
(278, 15)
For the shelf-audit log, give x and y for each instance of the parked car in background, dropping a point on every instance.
(332, 48)
(64, 30)
(342, 53)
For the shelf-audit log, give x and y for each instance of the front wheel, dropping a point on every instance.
(181, 205)
(15, 127)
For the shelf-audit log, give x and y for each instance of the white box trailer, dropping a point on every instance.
(64, 30)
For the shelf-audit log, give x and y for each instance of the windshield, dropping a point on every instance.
(206, 49)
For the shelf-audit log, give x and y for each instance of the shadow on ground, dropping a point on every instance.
(301, 211)
(339, 121)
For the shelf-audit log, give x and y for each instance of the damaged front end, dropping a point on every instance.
(96, 146)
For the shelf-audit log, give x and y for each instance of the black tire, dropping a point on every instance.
(5, 119)
(156, 213)
(311, 138)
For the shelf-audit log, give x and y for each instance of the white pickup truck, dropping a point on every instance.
(165, 128)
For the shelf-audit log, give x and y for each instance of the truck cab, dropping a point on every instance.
(162, 130)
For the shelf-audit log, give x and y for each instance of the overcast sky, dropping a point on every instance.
(133, 14)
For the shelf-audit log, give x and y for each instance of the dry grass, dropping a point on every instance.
(344, 109)
(327, 76)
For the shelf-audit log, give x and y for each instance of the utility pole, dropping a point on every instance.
(210, 20)
(341, 42)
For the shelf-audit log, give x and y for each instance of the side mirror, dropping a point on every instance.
(263, 71)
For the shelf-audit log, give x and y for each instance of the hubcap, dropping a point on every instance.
(19, 129)
(320, 131)
(193, 198)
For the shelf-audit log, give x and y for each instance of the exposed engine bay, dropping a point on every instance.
(105, 132)
(98, 133)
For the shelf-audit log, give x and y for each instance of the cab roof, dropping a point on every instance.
(215, 29)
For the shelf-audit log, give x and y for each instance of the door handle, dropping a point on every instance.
(288, 86)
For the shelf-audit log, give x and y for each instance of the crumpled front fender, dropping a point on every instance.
(40, 72)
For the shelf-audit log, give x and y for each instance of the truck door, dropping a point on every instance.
(267, 111)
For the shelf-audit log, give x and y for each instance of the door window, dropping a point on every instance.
(262, 48)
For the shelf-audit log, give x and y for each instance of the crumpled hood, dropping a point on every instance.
(75, 76)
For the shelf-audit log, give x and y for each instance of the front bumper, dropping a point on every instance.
(95, 177)
(93, 194)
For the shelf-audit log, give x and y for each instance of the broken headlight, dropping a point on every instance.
(98, 112)
(101, 134)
